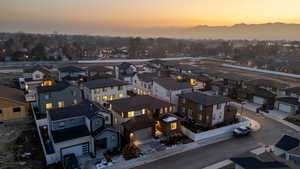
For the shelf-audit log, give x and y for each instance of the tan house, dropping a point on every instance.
(12, 104)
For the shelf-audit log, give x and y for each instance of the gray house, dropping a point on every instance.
(81, 129)
(59, 95)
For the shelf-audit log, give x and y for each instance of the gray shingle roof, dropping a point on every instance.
(12, 94)
(295, 90)
(138, 123)
(70, 133)
(147, 77)
(172, 84)
(287, 143)
(204, 99)
(267, 82)
(70, 69)
(139, 102)
(289, 100)
(85, 108)
(254, 163)
(55, 87)
(102, 83)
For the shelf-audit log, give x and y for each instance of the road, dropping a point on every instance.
(269, 133)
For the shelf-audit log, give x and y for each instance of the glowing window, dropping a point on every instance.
(193, 82)
(143, 111)
(61, 104)
(173, 125)
(121, 95)
(49, 106)
(104, 98)
(131, 114)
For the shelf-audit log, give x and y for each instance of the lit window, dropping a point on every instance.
(49, 106)
(173, 125)
(111, 97)
(193, 82)
(170, 109)
(104, 98)
(97, 90)
(166, 109)
(161, 111)
(121, 95)
(75, 101)
(97, 98)
(131, 114)
(47, 83)
(143, 111)
(61, 104)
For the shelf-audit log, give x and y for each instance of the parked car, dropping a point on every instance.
(71, 162)
(242, 131)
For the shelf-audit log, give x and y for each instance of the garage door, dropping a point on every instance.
(258, 100)
(78, 150)
(143, 134)
(285, 108)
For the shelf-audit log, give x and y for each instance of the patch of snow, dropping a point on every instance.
(169, 119)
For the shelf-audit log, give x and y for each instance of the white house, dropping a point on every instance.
(103, 90)
(143, 83)
(168, 89)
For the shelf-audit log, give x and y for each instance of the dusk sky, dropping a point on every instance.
(98, 16)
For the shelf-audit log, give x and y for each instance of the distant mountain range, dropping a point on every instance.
(267, 31)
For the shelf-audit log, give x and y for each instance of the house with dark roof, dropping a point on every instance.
(198, 81)
(12, 104)
(125, 71)
(168, 89)
(136, 116)
(206, 110)
(285, 144)
(293, 92)
(290, 105)
(255, 163)
(72, 74)
(83, 129)
(143, 83)
(60, 94)
(263, 96)
(98, 72)
(104, 90)
(273, 86)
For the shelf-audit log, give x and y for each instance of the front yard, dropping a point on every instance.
(293, 120)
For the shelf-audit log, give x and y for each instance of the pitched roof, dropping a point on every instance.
(58, 86)
(85, 108)
(263, 93)
(12, 94)
(295, 90)
(147, 77)
(139, 102)
(70, 133)
(254, 163)
(70, 69)
(37, 68)
(287, 143)
(98, 68)
(289, 100)
(186, 67)
(101, 83)
(203, 99)
(138, 123)
(124, 65)
(236, 77)
(172, 84)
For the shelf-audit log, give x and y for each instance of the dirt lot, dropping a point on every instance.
(20, 147)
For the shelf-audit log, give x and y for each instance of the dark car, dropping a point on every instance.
(242, 131)
(71, 162)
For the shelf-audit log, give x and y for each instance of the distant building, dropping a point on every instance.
(125, 71)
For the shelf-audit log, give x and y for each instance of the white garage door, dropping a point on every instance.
(78, 150)
(285, 108)
(258, 100)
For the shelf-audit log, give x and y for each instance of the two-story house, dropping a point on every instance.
(137, 117)
(99, 72)
(290, 103)
(59, 95)
(83, 129)
(205, 109)
(125, 71)
(73, 74)
(143, 83)
(103, 90)
(168, 89)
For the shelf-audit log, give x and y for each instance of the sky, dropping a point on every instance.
(105, 16)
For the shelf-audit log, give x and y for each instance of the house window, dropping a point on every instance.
(75, 101)
(143, 111)
(166, 109)
(106, 118)
(218, 106)
(121, 95)
(73, 93)
(170, 109)
(97, 98)
(46, 97)
(183, 100)
(200, 107)
(207, 117)
(193, 82)
(183, 109)
(49, 106)
(104, 98)
(111, 97)
(61, 104)
(37, 76)
(131, 114)
(200, 116)
(161, 111)
(173, 125)
(61, 124)
(98, 91)
(16, 109)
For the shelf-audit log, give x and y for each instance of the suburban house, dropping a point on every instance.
(99, 72)
(293, 92)
(34, 77)
(263, 96)
(143, 83)
(103, 90)
(12, 104)
(206, 110)
(60, 94)
(198, 81)
(72, 74)
(80, 130)
(137, 117)
(275, 87)
(290, 105)
(255, 163)
(183, 68)
(168, 89)
(285, 144)
(156, 64)
(125, 71)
